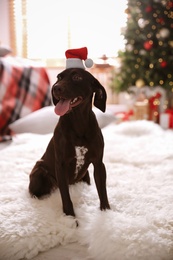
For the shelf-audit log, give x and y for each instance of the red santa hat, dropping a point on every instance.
(75, 58)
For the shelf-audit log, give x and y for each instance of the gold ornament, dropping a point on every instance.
(171, 43)
(127, 11)
(140, 83)
(171, 15)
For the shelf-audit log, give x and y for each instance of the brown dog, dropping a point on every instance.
(77, 140)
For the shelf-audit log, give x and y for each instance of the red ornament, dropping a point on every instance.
(160, 20)
(148, 9)
(148, 45)
(163, 64)
(170, 4)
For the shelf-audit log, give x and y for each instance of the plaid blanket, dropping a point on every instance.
(24, 88)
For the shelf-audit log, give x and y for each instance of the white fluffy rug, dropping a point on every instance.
(139, 162)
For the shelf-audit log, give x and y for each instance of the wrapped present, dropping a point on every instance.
(170, 113)
(149, 102)
(141, 110)
(154, 107)
(124, 116)
(164, 120)
(149, 93)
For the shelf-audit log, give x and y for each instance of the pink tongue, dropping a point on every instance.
(62, 107)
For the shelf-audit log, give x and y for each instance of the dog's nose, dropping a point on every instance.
(57, 90)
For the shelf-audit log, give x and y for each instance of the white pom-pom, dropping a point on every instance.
(88, 63)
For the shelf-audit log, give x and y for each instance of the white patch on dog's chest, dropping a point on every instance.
(80, 157)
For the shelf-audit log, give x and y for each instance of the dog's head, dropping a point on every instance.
(75, 87)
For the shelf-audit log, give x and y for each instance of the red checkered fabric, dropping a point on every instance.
(24, 88)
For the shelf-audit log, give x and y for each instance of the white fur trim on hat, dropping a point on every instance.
(74, 63)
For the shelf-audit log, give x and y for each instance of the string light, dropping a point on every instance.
(151, 84)
(161, 82)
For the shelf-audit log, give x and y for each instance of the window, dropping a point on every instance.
(45, 29)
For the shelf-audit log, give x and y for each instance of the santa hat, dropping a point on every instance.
(75, 58)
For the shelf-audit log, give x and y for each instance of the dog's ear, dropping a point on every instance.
(100, 95)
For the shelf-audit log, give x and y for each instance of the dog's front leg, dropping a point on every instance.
(64, 191)
(100, 180)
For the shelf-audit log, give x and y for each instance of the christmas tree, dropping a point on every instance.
(148, 56)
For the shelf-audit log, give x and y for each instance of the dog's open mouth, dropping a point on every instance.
(65, 105)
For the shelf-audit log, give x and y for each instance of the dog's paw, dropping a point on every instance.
(105, 207)
(77, 223)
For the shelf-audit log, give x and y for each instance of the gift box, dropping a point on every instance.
(141, 110)
(149, 102)
(170, 113)
(154, 107)
(124, 116)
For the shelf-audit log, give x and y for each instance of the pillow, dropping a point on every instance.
(4, 50)
(44, 120)
(25, 88)
(104, 119)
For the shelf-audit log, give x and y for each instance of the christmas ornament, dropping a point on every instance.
(164, 33)
(141, 23)
(163, 64)
(148, 45)
(140, 83)
(142, 52)
(164, 2)
(160, 20)
(171, 43)
(148, 9)
(129, 47)
(170, 4)
(127, 11)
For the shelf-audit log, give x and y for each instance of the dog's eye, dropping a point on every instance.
(77, 77)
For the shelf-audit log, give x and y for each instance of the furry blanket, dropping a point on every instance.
(139, 161)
